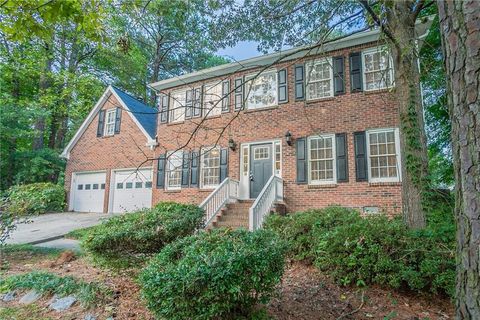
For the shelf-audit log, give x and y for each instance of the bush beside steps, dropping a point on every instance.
(221, 274)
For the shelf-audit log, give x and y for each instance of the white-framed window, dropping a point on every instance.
(383, 149)
(261, 153)
(212, 99)
(278, 158)
(177, 106)
(321, 159)
(110, 122)
(319, 75)
(210, 168)
(377, 69)
(173, 174)
(261, 90)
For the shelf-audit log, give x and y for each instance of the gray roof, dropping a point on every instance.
(281, 56)
(145, 114)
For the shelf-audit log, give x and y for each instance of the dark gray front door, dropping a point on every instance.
(260, 167)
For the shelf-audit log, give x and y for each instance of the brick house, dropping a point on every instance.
(301, 128)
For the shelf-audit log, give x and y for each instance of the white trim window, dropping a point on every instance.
(210, 168)
(177, 106)
(212, 99)
(110, 122)
(383, 155)
(321, 159)
(173, 174)
(261, 90)
(319, 79)
(377, 69)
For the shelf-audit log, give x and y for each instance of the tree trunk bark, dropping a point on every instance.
(413, 142)
(460, 28)
(44, 85)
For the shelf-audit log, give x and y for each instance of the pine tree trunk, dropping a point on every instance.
(460, 28)
(413, 142)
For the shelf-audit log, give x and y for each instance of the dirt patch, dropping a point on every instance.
(304, 294)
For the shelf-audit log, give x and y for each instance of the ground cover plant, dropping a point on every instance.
(142, 233)
(374, 249)
(88, 293)
(220, 274)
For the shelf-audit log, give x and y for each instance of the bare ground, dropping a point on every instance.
(304, 293)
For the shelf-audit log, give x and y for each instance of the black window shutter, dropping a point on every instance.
(226, 96)
(118, 119)
(164, 102)
(101, 123)
(299, 82)
(194, 164)
(361, 167)
(356, 82)
(239, 91)
(188, 103)
(223, 164)
(186, 169)
(197, 102)
(342, 157)
(301, 153)
(161, 171)
(282, 86)
(338, 76)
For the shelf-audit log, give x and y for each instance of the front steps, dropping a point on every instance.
(235, 215)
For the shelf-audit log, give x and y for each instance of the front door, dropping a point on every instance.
(261, 168)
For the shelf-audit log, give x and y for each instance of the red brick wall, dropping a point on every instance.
(106, 153)
(346, 113)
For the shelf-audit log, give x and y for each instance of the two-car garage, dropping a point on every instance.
(129, 190)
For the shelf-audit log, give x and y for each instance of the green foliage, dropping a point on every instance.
(38, 166)
(374, 249)
(143, 232)
(301, 228)
(214, 275)
(35, 198)
(48, 283)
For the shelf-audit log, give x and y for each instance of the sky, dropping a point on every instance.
(243, 50)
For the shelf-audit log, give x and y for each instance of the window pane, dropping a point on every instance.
(148, 184)
(138, 185)
(174, 170)
(321, 164)
(383, 158)
(87, 187)
(210, 171)
(119, 185)
(212, 99)
(261, 90)
(129, 185)
(80, 187)
(102, 186)
(95, 186)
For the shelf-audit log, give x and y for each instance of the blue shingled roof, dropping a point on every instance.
(146, 115)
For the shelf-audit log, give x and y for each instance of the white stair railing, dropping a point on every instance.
(226, 191)
(271, 193)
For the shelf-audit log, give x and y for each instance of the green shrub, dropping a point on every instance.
(143, 232)
(35, 198)
(48, 283)
(300, 229)
(214, 275)
(374, 249)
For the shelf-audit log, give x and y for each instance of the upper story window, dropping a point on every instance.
(177, 106)
(377, 69)
(173, 175)
(319, 79)
(261, 90)
(321, 164)
(383, 155)
(212, 99)
(110, 122)
(210, 168)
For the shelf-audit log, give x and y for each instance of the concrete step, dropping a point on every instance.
(233, 219)
(230, 224)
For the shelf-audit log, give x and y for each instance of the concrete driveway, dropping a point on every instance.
(51, 226)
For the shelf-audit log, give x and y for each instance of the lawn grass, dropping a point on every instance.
(31, 249)
(88, 293)
(79, 234)
(30, 311)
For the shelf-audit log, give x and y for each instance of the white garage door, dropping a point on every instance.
(132, 190)
(88, 192)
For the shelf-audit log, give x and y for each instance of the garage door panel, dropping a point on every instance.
(132, 190)
(89, 192)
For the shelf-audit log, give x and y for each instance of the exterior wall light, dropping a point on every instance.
(232, 144)
(288, 138)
